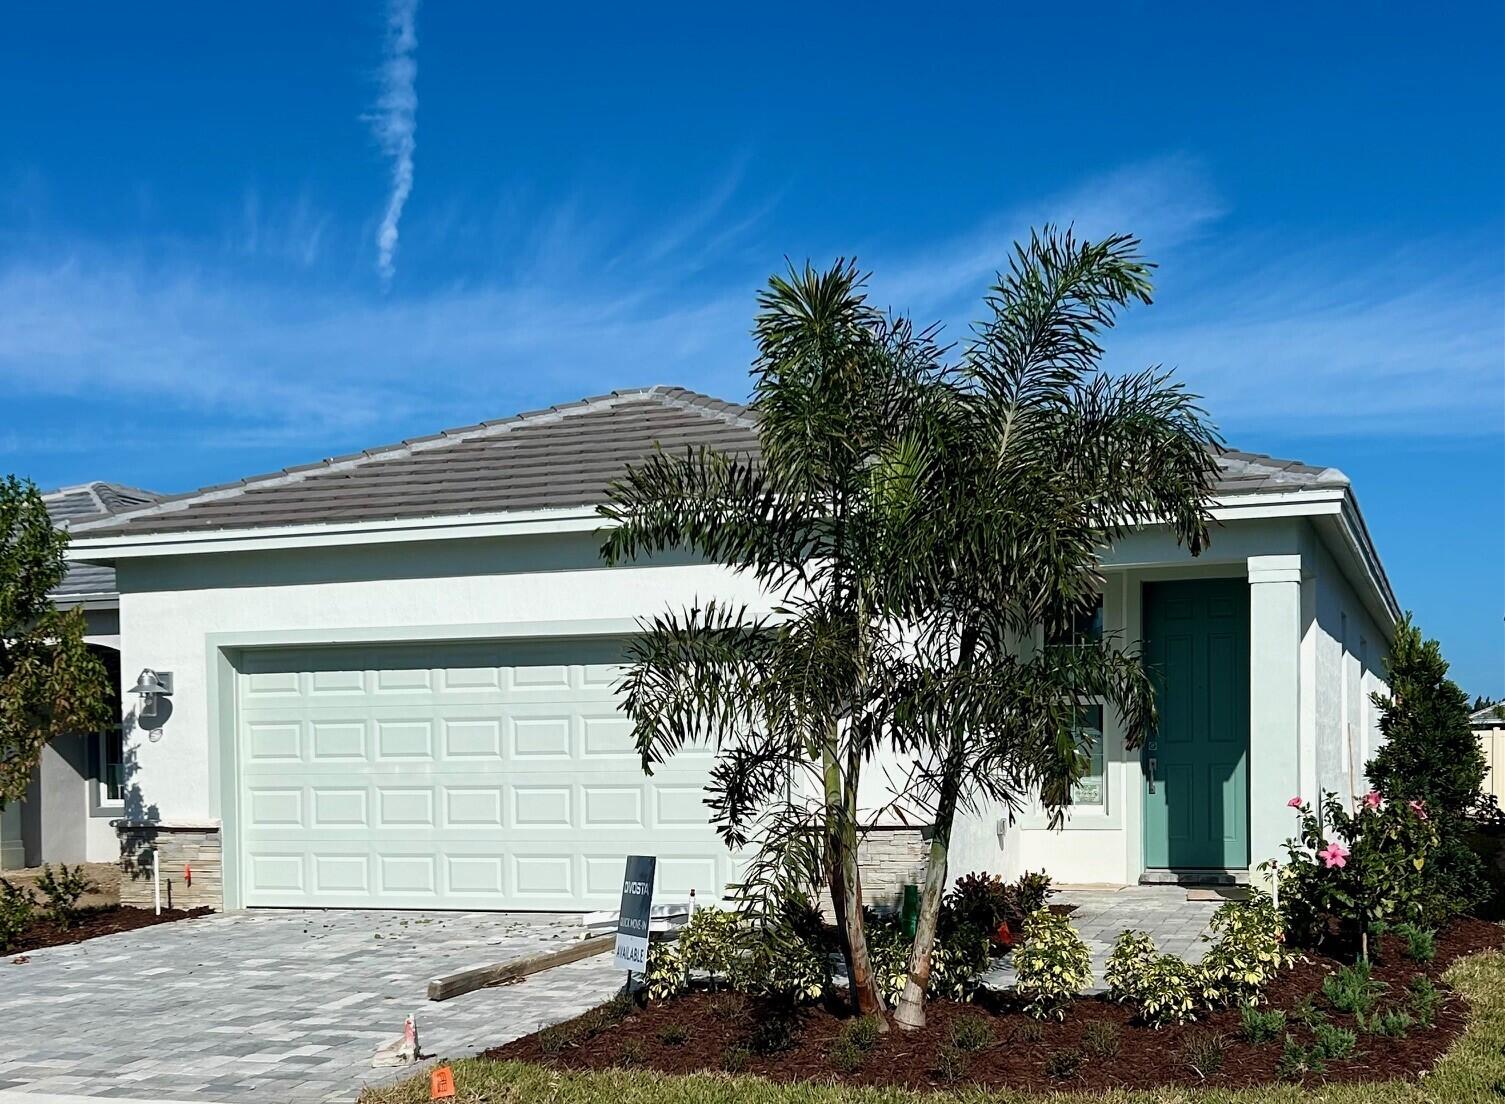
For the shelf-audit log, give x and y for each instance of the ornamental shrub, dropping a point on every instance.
(1170, 990)
(985, 902)
(62, 889)
(1247, 952)
(1431, 756)
(665, 976)
(1163, 988)
(1352, 988)
(1333, 1042)
(1101, 1038)
(1051, 966)
(1421, 943)
(1424, 1000)
(1394, 1022)
(979, 900)
(776, 960)
(1132, 956)
(1261, 1027)
(1029, 894)
(17, 909)
(707, 943)
(958, 958)
(971, 1033)
(1350, 872)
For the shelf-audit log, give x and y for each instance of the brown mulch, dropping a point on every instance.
(1145, 1058)
(94, 922)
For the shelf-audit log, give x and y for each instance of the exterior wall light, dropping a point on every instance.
(152, 687)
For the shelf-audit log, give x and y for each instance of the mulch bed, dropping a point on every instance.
(712, 1023)
(106, 920)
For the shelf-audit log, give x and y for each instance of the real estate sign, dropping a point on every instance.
(632, 921)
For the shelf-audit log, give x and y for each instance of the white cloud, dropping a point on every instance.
(1351, 339)
(396, 123)
(1165, 202)
(1336, 345)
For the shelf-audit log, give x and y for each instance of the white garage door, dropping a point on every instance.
(486, 776)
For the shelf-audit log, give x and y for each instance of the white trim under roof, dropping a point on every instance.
(1336, 505)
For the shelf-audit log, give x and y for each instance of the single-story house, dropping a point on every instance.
(392, 677)
(76, 790)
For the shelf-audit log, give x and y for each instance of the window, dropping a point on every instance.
(1091, 790)
(1086, 626)
(108, 754)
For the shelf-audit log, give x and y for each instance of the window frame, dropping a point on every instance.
(1105, 815)
(100, 804)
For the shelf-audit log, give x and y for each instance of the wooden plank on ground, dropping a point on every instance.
(466, 981)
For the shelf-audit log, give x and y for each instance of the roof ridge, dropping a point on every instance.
(1281, 464)
(667, 394)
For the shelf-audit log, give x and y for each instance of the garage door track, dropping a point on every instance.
(288, 1005)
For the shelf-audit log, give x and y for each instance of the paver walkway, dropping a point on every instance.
(1176, 924)
(282, 1006)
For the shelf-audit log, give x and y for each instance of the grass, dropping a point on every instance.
(1470, 1072)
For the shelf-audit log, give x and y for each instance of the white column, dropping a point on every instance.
(1274, 701)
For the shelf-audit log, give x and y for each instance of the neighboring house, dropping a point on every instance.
(77, 788)
(1489, 726)
(393, 677)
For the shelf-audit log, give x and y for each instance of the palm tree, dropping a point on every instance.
(786, 698)
(1032, 466)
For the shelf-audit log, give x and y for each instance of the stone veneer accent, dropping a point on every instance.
(889, 859)
(195, 847)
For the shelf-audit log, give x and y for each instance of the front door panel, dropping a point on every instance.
(1196, 762)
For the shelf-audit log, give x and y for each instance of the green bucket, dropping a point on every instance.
(909, 915)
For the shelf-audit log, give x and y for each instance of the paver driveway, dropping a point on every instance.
(286, 1005)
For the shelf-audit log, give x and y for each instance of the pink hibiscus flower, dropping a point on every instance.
(1335, 854)
(1372, 799)
(1294, 803)
(1419, 809)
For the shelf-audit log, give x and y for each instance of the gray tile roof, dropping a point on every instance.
(560, 457)
(72, 506)
(1491, 716)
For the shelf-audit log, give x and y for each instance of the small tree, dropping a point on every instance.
(1037, 463)
(50, 683)
(1431, 755)
(786, 700)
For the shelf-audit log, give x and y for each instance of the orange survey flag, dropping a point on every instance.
(441, 1084)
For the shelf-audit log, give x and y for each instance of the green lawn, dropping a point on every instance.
(1469, 1072)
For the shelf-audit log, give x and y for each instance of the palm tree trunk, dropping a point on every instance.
(831, 777)
(845, 882)
(910, 1015)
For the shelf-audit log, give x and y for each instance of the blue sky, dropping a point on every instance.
(193, 285)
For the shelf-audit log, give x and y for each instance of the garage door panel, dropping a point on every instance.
(405, 874)
(471, 738)
(547, 736)
(340, 807)
(274, 741)
(541, 878)
(465, 776)
(545, 806)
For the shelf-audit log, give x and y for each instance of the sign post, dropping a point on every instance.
(632, 921)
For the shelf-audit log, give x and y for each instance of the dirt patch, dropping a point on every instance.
(696, 1032)
(105, 876)
(106, 920)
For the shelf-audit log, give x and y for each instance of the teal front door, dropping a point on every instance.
(1196, 764)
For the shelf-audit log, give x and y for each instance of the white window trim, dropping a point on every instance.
(99, 805)
(1108, 816)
